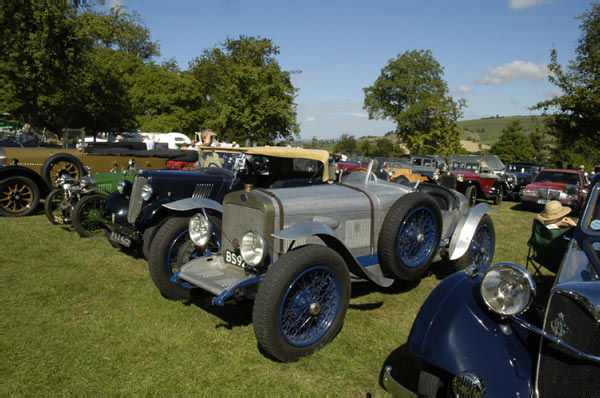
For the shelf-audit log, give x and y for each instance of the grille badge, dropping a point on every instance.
(235, 243)
(558, 326)
(467, 384)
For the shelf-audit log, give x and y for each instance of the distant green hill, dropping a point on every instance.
(488, 130)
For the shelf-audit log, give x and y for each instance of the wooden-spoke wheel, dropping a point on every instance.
(19, 196)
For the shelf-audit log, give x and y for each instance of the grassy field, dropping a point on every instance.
(488, 131)
(79, 316)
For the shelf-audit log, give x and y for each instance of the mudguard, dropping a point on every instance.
(325, 233)
(453, 332)
(465, 229)
(16, 170)
(194, 203)
(117, 208)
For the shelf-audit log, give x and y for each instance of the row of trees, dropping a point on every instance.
(69, 64)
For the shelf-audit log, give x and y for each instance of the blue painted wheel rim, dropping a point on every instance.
(416, 237)
(481, 247)
(309, 307)
(213, 246)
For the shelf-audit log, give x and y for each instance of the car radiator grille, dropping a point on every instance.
(560, 372)
(551, 194)
(107, 186)
(237, 220)
(136, 201)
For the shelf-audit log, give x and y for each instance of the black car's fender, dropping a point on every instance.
(117, 207)
(453, 332)
(325, 233)
(188, 204)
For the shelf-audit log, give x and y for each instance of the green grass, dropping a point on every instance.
(78, 316)
(492, 128)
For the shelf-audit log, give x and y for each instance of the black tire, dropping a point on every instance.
(481, 248)
(433, 383)
(19, 196)
(171, 248)
(87, 215)
(410, 236)
(149, 234)
(471, 195)
(289, 299)
(56, 207)
(61, 163)
(499, 197)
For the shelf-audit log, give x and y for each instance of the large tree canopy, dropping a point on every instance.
(247, 94)
(513, 145)
(411, 92)
(576, 121)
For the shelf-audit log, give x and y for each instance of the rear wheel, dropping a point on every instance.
(171, 248)
(301, 303)
(19, 196)
(481, 248)
(87, 215)
(57, 207)
(60, 164)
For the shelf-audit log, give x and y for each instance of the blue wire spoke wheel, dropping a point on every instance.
(481, 249)
(310, 306)
(301, 303)
(417, 237)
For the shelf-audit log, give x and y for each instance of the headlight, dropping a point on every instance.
(507, 289)
(391, 173)
(460, 177)
(147, 192)
(436, 175)
(529, 192)
(253, 248)
(200, 230)
(88, 180)
(121, 186)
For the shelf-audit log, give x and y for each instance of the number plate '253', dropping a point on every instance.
(234, 259)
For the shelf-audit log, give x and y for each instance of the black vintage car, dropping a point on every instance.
(154, 211)
(517, 176)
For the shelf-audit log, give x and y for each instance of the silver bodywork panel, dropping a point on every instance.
(194, 203)
(465, 229)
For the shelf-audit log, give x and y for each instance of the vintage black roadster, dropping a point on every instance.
(296, 250)
(495, 332)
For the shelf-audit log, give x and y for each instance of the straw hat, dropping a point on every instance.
(553, 210)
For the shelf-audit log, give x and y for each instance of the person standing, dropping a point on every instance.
(149, 143)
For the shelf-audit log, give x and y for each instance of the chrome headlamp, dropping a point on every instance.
(88, 180)
(253, 248)
(460, 177)
(436, 175)
(507, 289)
(123, 186)
(147, 191)
(200, 230)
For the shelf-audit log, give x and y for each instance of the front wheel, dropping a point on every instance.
(481, 249)
(171, 248)
(57, 206)
(87, 215)
(301, 303)
(471, 195)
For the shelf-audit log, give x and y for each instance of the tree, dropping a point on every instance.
(513, 145)
(576, 121)
(411, 92)
(347, 144)
(247, 93)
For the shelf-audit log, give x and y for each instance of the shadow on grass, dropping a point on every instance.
(405, 368)
(523, 208)
(232, 313)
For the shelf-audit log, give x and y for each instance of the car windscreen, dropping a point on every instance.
(558, 177)
(517, 168)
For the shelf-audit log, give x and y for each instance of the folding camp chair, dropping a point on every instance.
(547, 247)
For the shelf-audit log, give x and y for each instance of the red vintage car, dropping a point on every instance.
(476, 181)
(567, 186)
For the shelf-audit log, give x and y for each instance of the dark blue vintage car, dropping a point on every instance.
(494, 333)
(517, 176)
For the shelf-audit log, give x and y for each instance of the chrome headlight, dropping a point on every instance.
(391, 173)
(507, 289)
(147, 191)
(88, 180)
(436, 175)
(200, 230)
(460, 177)
(121, 186)
(529, 192)
(253, 248)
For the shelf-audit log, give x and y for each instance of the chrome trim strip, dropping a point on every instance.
(393, 387)
(592, 308)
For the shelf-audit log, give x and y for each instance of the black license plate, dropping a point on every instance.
(234, 259)
(120, 238)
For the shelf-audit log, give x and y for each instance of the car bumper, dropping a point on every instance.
(121, 234)
(394, 387)
(539, 202)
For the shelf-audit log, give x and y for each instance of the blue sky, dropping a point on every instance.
(494, 52)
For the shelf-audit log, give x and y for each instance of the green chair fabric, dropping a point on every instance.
(547, 247)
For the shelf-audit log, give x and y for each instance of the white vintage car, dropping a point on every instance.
(295, 251)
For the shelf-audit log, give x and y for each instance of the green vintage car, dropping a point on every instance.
(81, 202)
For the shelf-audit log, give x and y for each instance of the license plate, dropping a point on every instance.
(120, 238)
(234, 259)
(543, 201)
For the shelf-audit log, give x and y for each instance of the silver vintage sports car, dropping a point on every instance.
(296, 250)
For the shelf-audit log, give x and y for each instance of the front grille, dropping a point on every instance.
(136, 201)
(449, 181)
(237, 220)
(106, 186)
(560, 372)
(551, 194)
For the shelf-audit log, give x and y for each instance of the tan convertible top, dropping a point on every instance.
(281, 152)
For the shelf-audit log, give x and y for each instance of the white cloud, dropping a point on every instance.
(311, 119)
(358, 114)
(516, 70)
(520, 4)
(116, 3)
(464, 89)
